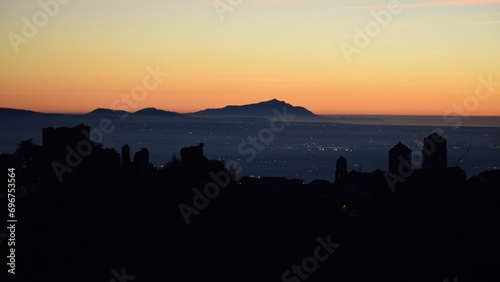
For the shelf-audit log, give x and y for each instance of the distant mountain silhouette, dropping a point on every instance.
(256, 110)
(7, 112)
(262, 109)
(157, 113)
(106, 112)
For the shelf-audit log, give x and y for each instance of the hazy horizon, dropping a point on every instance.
(334, 115)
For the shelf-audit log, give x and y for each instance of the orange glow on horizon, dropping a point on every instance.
(426, 61)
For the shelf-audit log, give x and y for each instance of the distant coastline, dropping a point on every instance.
(473, 121)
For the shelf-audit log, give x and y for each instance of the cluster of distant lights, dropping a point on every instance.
(494, 146)
(312, 146)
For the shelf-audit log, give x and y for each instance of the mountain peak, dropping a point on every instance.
(274, 101)
(151, 111)
(263, 109)
(103, 111)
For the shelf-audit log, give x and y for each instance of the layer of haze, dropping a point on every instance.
(427, 59)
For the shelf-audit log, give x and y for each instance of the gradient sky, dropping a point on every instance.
(427, 59)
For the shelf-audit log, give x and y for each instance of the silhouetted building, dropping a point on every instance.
(434, 153)
(125, 156)
(341, 169)
(399, 159)
(141, 158)
(192, 155)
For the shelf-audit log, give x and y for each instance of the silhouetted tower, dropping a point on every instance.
(434, 153)
(399, 159)
(192, 155)
(141, 158)
(341, 170)
(125, 156)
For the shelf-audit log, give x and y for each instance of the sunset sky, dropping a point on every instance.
(89, 53)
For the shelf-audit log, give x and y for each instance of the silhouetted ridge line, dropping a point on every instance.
(9, 112)
(102, 111)
(265, 109)
(156, 112)
(261, 109)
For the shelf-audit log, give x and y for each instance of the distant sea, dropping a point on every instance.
(303, 150)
